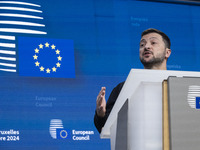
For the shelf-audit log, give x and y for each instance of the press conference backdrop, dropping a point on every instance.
(56, 55)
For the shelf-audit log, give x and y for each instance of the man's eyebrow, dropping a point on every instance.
(143, 40)
(153, 38)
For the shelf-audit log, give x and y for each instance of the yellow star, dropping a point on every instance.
(36, 50)
(57, 52)
(58, 64)
(48, 70)
(35, 56)
(54, 69)
(37, 63)
(41, 46)
(41, 68)
(53, 46)
(59, 58)
(46, 44)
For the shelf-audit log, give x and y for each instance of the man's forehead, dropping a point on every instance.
(150, 36)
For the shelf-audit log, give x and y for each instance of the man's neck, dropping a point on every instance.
(162, 66)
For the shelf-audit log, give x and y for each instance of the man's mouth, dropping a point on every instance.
(147, 53)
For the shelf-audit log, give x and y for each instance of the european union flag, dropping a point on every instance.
(43, 57)
(197, 102)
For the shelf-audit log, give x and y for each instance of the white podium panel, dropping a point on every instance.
(145, 117)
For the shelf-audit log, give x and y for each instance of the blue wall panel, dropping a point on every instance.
(106, 37)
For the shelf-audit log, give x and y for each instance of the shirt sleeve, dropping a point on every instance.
(100, 121)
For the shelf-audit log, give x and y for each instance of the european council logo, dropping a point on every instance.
(22, 18)
(197, 102)
(57, 130)
(43, 57)
(194, 96)
(54, 125)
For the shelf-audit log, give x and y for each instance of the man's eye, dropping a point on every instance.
(141, 45)
(153, 43)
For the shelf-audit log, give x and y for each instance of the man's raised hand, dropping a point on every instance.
(101, 103)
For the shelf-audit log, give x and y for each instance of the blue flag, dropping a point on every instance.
(63, 134)
(42, 57)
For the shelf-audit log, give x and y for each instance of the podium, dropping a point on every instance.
(183, 102)
(135, 122)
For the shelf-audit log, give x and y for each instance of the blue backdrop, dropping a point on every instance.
(104, 45)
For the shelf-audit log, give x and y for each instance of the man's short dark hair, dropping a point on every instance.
(164, 36)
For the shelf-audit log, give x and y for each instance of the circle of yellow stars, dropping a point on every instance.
(37, 62)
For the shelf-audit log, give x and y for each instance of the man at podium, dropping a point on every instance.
(154, 52)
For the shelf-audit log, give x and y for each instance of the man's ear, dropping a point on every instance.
(168, 53)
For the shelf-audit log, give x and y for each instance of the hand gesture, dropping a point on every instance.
(101, 103)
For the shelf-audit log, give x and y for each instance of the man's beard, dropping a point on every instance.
(153, 61)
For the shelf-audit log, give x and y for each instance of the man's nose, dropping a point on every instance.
(148, 45)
